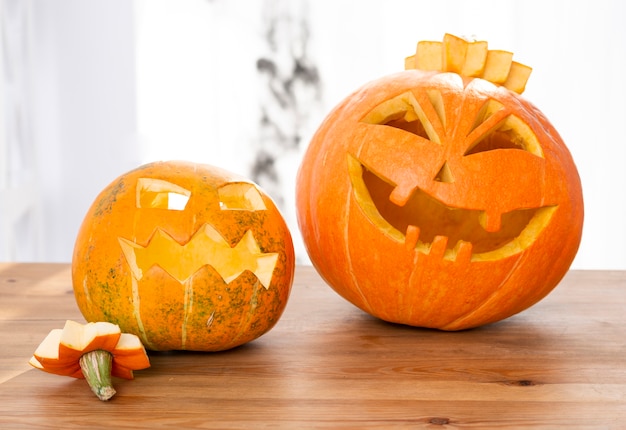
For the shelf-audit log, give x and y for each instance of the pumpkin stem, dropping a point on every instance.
(96, 366)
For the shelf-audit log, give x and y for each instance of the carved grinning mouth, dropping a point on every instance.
(206, 247)
(431, 227)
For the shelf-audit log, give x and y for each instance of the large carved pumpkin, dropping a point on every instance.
(441, 198)
(185, 256)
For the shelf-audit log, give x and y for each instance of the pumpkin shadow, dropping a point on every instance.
(515, 351)
(513, 337)
(202, 362)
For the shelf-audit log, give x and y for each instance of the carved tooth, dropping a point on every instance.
(411, 237)
(401, 194)
(490, 222)
(438, 247)
(464, 251)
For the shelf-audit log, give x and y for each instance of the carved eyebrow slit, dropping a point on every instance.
(422, 115)
(495, 128)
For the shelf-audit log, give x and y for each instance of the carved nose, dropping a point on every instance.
(444, 174)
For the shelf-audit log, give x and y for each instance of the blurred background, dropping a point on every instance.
(94, 88)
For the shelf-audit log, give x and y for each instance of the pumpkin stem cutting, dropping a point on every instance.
(96, 366)
(94, 351)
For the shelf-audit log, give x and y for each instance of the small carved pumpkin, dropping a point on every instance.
(186, 256)
(441, 198)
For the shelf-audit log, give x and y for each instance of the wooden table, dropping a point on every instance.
(560, 364)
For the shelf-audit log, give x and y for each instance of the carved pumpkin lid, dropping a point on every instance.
(470, 58)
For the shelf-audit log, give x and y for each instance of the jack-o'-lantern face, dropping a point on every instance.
(445, 190)
(185, 256)
(436, 200)
(206, 246)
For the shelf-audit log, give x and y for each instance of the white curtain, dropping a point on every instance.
(110, 84)
(20, 206)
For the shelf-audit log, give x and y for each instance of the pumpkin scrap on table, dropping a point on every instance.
(94, 351)
(186, 256)
(438, 196)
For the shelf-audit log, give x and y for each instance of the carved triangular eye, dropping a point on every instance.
(495, 129)
(241, 196)
(424, 117)
(160, 194)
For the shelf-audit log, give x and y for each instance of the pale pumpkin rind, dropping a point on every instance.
(438, 200)
(184, 255)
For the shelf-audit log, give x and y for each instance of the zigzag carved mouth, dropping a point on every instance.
(206, 247)
(431, 227)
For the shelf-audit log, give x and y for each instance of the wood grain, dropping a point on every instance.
(560, 364)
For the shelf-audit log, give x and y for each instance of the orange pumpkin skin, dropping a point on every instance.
(363, 169)
(209, 276)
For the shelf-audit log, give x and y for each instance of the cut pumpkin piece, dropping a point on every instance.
(455, 50)
(429, 56)
(517, 78)
(475, 59)
(497, 66)
(94, 351)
